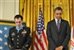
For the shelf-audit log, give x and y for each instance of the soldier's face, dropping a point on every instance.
(18, 21)
(58, 14)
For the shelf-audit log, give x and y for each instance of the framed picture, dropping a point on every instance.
(8, 9)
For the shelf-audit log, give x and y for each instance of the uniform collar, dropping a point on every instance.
(18, 28)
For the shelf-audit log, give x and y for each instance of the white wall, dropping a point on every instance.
(8, 9)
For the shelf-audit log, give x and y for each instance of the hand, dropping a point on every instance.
(59, 48)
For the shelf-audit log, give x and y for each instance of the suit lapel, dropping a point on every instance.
(54, 26)
(21, 30)
(61, 26)
(15, 30)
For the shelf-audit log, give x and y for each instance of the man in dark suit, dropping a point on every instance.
(58, 32)
(19, 36)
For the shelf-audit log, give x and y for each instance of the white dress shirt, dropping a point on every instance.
(56, 20)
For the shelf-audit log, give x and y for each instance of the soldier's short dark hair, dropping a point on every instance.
(57, 8)
(18, 16)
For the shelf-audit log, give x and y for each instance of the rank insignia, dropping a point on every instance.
(13, 34)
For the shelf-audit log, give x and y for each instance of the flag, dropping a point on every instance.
(40, 41)
(4, 31)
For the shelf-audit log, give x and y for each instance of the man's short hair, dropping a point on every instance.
(57, 8)
(18, 16)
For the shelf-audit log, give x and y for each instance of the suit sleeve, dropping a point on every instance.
(68, 31)
(49, 36)
(10, 43)
(28, 40)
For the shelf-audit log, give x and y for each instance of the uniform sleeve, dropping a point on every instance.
(28, 40)
(10, 43)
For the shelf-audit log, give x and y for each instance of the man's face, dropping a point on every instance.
(18, 21)
(58, 14)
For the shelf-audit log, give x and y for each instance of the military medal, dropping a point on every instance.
(12, 39)
(24, 32)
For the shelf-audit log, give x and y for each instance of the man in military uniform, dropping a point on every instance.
(19, 36)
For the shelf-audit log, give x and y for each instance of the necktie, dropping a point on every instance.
(58, 24)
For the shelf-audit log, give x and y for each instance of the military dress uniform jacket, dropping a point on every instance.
(19, 40)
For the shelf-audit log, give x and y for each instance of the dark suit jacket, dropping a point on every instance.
(57, 37)
(19, 40)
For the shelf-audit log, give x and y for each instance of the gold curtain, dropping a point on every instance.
(29, 9)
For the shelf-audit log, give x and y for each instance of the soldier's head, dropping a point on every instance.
(58, 12)
(18, 20)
